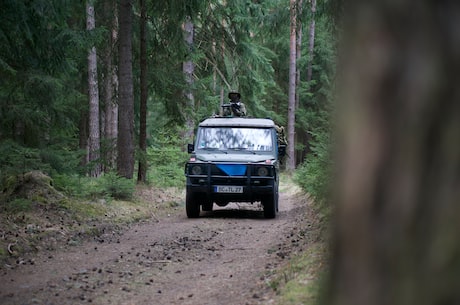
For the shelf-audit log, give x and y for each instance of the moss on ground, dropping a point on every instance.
(37, 217)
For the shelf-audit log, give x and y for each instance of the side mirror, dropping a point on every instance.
(282, 150)
(190, 148)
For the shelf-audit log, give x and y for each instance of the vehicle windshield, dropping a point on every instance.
(235, 138)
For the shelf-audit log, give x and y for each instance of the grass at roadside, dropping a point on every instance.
(299, 280)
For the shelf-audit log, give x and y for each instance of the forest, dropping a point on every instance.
(117, 87)
(102, 96)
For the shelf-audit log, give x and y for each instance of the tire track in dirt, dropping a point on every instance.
(224, 257)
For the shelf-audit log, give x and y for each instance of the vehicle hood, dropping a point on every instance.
(243, 158)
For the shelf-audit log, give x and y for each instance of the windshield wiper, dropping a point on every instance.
(237, 148)
(241, 149)
(214, 149)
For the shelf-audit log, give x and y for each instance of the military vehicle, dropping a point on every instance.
(233, 159)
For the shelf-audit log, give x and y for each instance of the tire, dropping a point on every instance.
(270, 206)
(192, 207)
(277, 202)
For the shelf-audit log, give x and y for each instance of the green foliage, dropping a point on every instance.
(38, 70)
(17, 205)
(16, 160)
(167, 159)
(110, 185)
(315, 174)
(239, 45)
(116, 187)
(73, 185)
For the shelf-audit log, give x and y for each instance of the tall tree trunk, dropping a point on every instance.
(125, 161)
(311, 42)
(305, 136)
(397, 230)
(290, 166)
(142, 171)
(188, 68)
(298, 52)
(93, 90)
(110, 89)
(214, 69)
(299, 135)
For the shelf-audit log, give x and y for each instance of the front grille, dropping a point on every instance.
(215, 171)
(218, 176)
(229, 181)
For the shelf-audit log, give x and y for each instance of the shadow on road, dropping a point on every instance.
(236, 211)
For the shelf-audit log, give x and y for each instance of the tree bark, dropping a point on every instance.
(142, 171)
(298, 52)
(299, 135)
(290, 166)
(305, 137)
(93, 92)
(398, 187)
(125, 161)
(188, 68)
(110, 89)
(311, 42)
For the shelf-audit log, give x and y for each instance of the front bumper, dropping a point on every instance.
(254, 181)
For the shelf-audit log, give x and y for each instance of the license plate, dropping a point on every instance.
(228, 189)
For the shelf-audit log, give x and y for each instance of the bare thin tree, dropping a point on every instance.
(93, 93)
(125, 160)
(188, 68)
(290, 166)
(142, 171)
(311, 41)
(110, 88)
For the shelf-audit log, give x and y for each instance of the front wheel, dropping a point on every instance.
(192, 207)
(270, 206)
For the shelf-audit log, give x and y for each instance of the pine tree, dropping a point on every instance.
(292, 86)
(125, 145)
(93, 94)
(142, 171)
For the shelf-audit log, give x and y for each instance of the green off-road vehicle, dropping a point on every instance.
(233, 160)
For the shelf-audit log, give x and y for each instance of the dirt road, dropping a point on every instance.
(223, 257)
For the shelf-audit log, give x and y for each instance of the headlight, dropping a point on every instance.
(262, 171)
(196, 170)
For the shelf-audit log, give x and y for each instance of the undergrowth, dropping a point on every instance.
(167, 158)
(301, 280)
(108, 186)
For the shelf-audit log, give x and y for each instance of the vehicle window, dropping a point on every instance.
(232, 138)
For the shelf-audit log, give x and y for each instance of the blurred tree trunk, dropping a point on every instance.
(110, 88)
(142, 171)
(290, 166)
(125, 160)
(93, 93)
(397, 230)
